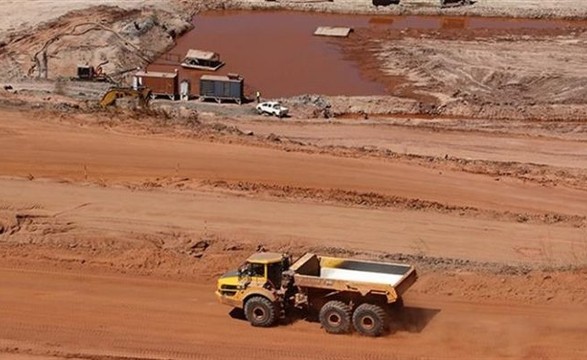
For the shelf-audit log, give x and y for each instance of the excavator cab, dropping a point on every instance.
(85, 72)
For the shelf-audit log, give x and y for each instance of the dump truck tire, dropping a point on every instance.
(260, 312)
(369, 320)
(335, 317)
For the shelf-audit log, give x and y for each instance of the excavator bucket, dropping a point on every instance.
(109, 98)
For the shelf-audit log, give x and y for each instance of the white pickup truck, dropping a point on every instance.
(272, 108)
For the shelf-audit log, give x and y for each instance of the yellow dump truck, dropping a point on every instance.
(343, 293)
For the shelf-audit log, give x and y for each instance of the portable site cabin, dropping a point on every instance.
(220, 88)
(202, 60)
(160, 83)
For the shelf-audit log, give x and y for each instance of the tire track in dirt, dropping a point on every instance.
(122, 318)
(376, 200)
(227, 132)
(149, 223)
(158, 156)
(220, 133)
(545, 175)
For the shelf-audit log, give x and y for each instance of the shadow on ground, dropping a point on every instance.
(411, 319)
(407, 319)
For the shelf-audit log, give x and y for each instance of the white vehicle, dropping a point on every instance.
(272, 108)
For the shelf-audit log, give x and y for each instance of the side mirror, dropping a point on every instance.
(242, 270)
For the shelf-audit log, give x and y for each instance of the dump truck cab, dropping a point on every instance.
(259, 275)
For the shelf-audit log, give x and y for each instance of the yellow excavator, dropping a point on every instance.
(109, 98)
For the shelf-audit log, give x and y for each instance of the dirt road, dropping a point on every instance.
(125, 157)
(473, 211)
(115, 224)
(96, 204)
(124, 212)
(511, 142)
(145, 193)
(87, 317)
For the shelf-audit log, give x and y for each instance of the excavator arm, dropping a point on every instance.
(112, 94)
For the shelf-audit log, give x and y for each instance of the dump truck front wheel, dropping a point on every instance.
(260, 312)
(370, 320)
(335, 317)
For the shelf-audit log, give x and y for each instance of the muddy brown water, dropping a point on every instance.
(277, 54)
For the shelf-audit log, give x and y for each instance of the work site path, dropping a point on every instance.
(76, 315)
(506, 145)
(91, 210)
(36, 149)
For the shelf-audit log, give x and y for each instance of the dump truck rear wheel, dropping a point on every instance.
(259, 311)
(369, 320)
(335, 317)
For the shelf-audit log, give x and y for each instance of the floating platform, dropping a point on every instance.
(335, 31)
(202, 60)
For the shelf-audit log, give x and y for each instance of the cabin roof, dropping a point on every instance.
(201, 54)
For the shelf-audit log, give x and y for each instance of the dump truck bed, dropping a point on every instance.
(365, 277)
